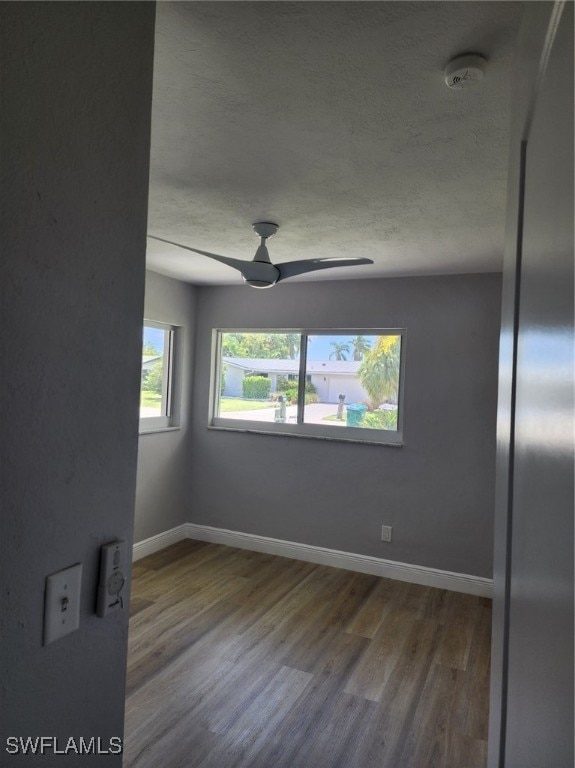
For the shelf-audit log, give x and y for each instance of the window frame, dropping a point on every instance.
(301, 429)
(166, 419)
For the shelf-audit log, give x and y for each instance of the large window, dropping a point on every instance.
(157, 379)
(343, 384)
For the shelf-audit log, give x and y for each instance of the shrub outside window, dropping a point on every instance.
(157, 376)
(335, 384)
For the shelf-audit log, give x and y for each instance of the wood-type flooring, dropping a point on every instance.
(239, 659)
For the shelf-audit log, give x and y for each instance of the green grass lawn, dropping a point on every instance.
(228, 404)
(150, 399)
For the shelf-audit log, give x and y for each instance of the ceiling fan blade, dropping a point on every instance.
(235, 263)
(292, 268)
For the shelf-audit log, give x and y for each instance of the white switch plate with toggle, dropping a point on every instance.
(62, 603)
(113, 567)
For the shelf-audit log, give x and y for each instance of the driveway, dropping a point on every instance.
(315, 413)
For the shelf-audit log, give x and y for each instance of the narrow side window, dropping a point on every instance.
(156, 391)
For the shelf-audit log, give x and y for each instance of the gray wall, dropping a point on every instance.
(76, 99)
(531, 718)
(162, 494)
(436, 491)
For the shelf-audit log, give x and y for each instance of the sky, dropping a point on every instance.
(319, 347)
(155, 336)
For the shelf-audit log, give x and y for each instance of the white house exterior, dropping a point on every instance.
(331, 378)
(148, 362)
(331, 384)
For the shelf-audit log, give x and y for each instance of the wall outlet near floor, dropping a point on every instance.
(386, 532)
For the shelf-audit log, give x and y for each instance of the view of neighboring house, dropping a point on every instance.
(148, 362)
(330, 378)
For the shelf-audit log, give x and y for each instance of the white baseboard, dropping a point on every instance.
(376, 566)
(159, 541)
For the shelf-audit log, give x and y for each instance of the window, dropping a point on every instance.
(343, 385)
(157, 368)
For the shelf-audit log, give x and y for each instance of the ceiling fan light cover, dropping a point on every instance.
(258, 283)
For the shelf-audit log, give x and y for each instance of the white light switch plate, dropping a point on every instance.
(62, 603)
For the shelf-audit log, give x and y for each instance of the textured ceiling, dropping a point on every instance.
(333, 120)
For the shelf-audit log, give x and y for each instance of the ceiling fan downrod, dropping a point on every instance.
(264, 229)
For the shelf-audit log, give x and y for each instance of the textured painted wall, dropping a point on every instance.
(76, 100)
(436, 491)
(162, 498)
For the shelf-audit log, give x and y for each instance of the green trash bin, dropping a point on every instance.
(355, 413)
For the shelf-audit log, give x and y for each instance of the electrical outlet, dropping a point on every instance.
(386, 532)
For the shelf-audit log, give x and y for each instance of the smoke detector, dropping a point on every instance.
(463, 71)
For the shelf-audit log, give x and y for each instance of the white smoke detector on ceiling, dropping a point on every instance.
(463, 71)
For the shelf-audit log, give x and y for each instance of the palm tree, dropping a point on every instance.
(339, 350)
(360, 346)
(379, 371)
(149, 349)
(293, 340)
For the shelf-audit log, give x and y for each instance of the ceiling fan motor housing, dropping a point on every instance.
(267, 275)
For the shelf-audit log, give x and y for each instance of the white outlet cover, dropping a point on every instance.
(386, 532)
(62, 603)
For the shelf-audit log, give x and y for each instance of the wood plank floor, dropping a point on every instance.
(243, 660)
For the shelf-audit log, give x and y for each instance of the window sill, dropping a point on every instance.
(155, 430)
(300, 435)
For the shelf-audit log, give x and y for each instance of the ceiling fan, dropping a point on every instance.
(260, 272)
